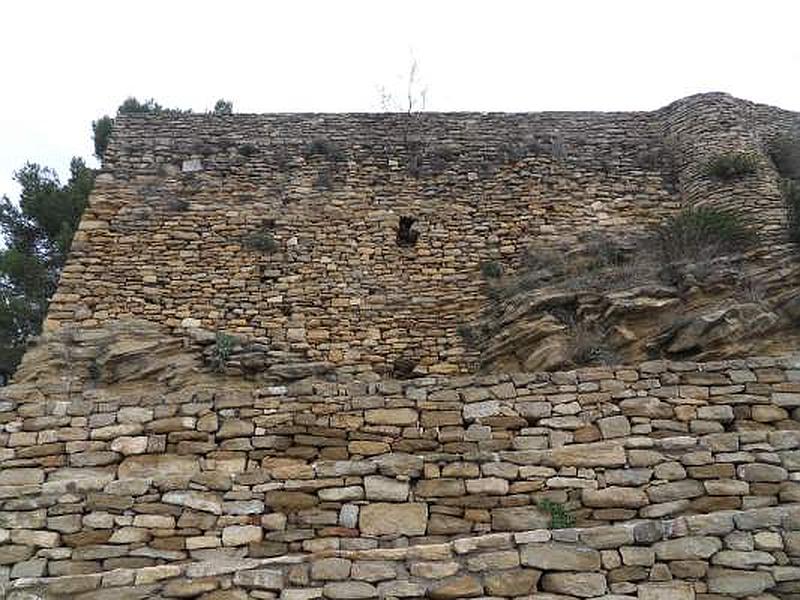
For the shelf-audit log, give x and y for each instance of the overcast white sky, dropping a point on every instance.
(64, 63)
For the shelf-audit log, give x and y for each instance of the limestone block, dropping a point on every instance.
(512, 583)
(382, 518)
(738, 583)
(557, 556)
(519, 518)
(581, 585)
(238, 535)
(349, 590)
(488, 561)
(158, 466)
(687, 548)
(465, 586)
(737, 559)
(391, 416)
(378, 487)
(675, 490)
(666, 591)
(203, 501)
(614, 427)
(614, 497)
(330, 569)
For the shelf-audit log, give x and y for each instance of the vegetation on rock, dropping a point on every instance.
(732, 165)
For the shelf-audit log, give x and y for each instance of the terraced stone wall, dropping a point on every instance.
(729, 555)
(135, 474)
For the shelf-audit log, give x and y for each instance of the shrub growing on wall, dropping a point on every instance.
(701, 233)
(732, 165)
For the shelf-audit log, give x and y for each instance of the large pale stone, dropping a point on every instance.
(477, 410)
(21, 476)
(158, 466)
(519, 518)
(203, 501)
(687, 548)
(614, 427)
(582, 585)
(487, 485)
(762, 473)
(491, 561)
(330, 569)
(666, 591)
(676, 490)
(738, 583)
(607, 536)
(465, 586)
(350, 590)
(238, 535)
(556, 556)
(614, 497)
(382, 518)
(429, 488)
(516, 582)
(342, 494)
(378, 487)
(399, 464)
(11, 554)
(597, 454)
(391, 416)
(130, 445)
(738, 559)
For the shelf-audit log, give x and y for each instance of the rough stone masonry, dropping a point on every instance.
(132, 466)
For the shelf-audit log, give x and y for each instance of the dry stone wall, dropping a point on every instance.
(164, 236)
(727, 555)
(148, 477)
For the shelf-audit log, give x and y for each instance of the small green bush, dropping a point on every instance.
(324, 148)
(261, 241)
(491, 269)
(222, 350)
(702, 233)
(247, 149)
(732, 165)
(587, 346)
(560, 517)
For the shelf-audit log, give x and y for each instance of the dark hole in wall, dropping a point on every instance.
(406, 235)
(404, 368)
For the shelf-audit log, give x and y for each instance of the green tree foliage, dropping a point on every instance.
(103, 126)
(223, 107)
(36, 234)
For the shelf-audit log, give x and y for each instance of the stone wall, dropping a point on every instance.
(727, 555)
(163, 237)
(138, 474)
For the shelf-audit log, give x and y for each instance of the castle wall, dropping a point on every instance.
(165, 244)
(163, 236)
